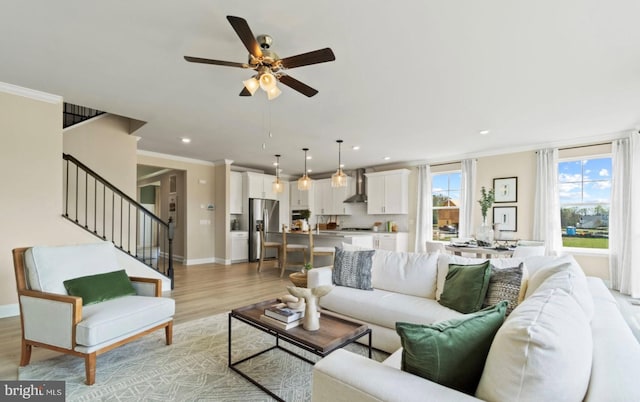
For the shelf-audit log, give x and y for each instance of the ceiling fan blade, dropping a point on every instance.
(245, 92)
(297, 85)
(305, 59)
(216, 62)
(241, 27)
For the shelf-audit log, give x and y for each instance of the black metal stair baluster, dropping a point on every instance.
(95, 206)
(113, 215)
(66, 193)
(129, 228)
(86, 199)
(76, 217)
(104, 212)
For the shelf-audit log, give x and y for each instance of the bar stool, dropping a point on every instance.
(291, 248)
(264, 245)
(321, 250)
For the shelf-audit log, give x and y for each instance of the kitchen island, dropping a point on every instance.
(330, 238)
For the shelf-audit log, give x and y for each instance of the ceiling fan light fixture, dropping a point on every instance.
(267, 81)
(252, 85)
(273, 93)
(304, 183)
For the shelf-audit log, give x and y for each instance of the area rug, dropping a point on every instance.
(194, 368)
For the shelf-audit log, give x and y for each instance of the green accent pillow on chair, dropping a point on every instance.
(451, 353)
(98, 288)
(465, 287)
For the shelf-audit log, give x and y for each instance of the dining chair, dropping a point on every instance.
(291, 249)
(265, 245)
(435, 247)
(319, 250)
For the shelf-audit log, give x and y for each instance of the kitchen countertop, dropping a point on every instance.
(326, 233)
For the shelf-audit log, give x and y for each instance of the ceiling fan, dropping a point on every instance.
(268, 65)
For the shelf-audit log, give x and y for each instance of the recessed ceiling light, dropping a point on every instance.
(185, 140)
(484, 132)
(309, 170)
(342, 165)
(355, 147)
(386, 158)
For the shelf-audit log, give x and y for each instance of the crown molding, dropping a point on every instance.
(30, 93)
(173, 157)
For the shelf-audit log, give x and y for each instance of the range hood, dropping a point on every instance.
(361, 188)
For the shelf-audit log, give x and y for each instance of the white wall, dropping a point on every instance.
(31, 147)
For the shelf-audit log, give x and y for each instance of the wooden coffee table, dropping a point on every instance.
(334, 333)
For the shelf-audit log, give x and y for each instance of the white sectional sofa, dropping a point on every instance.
(566, 341)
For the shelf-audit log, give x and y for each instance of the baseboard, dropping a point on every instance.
(9, 310)
(197, 261)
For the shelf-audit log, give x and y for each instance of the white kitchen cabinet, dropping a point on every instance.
(330, 200)
(301, 199)
(322, 197)
(391, 241)
(239, 246)
(259, 185)
(283, 201)
(235, 200)
(388, 192)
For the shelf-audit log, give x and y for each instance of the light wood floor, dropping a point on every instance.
(200, 291)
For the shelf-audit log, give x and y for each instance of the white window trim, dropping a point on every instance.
(586, 250)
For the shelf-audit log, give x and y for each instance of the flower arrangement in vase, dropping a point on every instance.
(484, 234)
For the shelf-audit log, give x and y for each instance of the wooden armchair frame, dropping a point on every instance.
(76, 316)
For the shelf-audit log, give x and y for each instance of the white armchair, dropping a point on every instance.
(52, 319)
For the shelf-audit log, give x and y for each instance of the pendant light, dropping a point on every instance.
(278, 186)
(339, 179)
(304, 183)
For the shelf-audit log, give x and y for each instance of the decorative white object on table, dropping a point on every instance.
(311, 320)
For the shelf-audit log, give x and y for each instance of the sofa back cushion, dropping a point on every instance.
(49, 266)
(408, 273)
(565, 273)
(543, 352)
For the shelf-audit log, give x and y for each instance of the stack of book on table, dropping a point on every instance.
(281, 316)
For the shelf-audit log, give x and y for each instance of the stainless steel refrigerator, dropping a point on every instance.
(262, 213)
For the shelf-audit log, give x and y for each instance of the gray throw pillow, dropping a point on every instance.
(504, 284)
(353, 268)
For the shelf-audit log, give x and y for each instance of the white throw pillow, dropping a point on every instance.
(542, 352)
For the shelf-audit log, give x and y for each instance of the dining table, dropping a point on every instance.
(480, 252)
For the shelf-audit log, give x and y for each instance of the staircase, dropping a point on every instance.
(97, 206)
(74, 114)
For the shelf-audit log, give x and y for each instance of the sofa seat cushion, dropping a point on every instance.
(49, 266)
(385, 308)
(616, 352)
(113, 318)
(409, 273)
(542, 352)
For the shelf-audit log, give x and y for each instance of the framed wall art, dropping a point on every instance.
(506, 189)
(507, 217)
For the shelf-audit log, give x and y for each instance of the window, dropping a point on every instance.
(445, 192)
(585, 197)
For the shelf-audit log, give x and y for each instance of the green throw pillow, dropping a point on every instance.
(98, 288)
(466, 287)
(451, 353)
